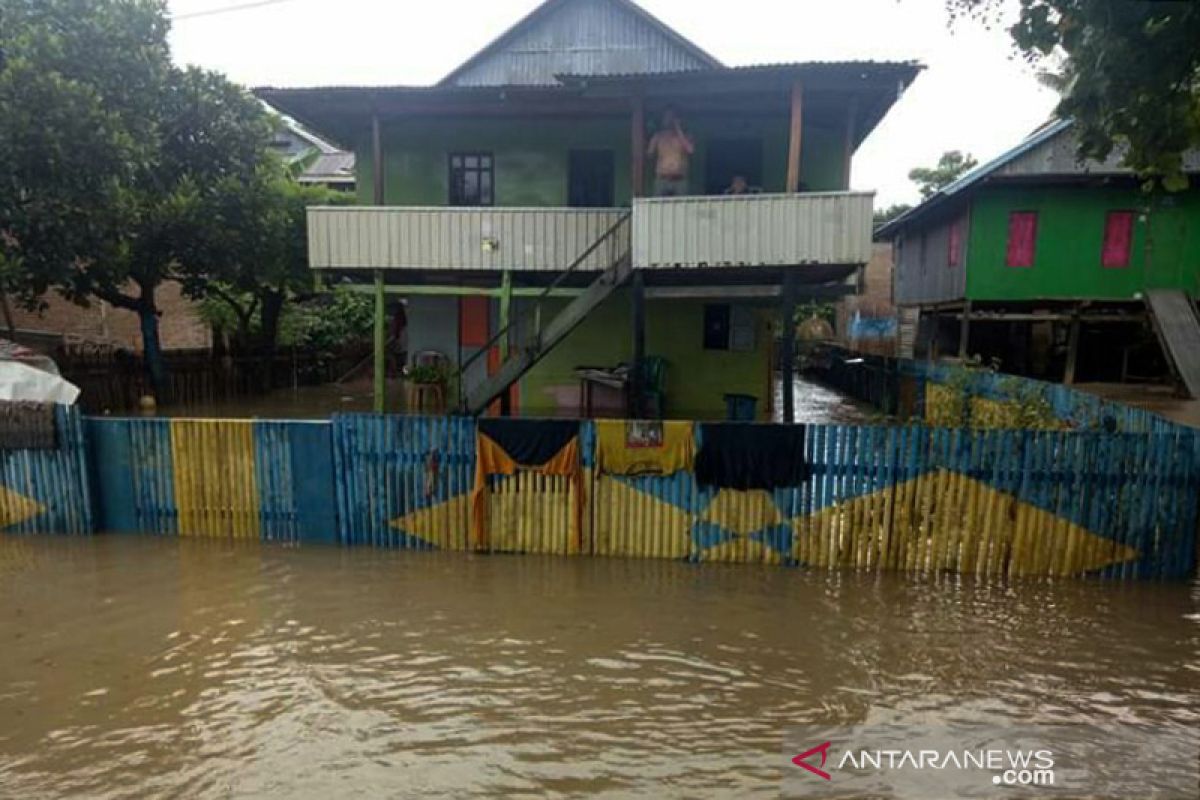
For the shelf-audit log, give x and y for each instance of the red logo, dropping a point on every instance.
(802, 760)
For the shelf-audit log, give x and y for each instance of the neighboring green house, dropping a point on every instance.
(507, 206)
(1053, 266)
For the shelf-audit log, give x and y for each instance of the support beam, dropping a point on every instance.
(964, 331)
(637, 143)
(851, 133)
(795, 134)
(377, 173)
(1073, 333)
(422, 290)
(638, 298)
(380, 344)
(787, 352)
(505, 316)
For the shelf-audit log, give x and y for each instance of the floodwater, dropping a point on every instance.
(142, 667)
(814, 403)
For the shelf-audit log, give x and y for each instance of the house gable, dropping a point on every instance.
(580, 37)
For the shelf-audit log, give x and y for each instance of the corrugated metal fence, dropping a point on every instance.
(908, 498)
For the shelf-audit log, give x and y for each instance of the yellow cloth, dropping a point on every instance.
(627, 447)
(491, 459)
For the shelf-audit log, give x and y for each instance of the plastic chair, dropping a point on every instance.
(653, 383)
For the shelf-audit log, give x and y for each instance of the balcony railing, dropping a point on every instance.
(690, 232)
(752, 230)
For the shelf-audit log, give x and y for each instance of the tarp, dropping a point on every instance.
(20, 381)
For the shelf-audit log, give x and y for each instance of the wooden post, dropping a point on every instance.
(787, 352)
(380, 294)
(505, 316)
(639, 345)
(964, 331)
(380, 344)
(1072, 350)
(935, 324)
(637, 144)
(851, 132)
(377, 172)
(795, 134)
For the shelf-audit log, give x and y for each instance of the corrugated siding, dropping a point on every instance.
(923, 271)
(47, 491)
(547, 239)
(755, 230)
(585, 37)
(1060, 156)
(404, 481)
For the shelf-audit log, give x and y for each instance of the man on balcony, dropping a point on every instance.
(672, 150)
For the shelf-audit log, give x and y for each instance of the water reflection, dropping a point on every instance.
(134, 667)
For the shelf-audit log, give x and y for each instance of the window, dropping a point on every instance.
(954, 246)
(716, 327)
(1022, 238)
(471, 179)
(1118, 239)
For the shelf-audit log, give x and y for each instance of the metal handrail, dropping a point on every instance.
(536, 311)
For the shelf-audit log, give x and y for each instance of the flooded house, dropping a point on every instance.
(511, 209)
(1056, 267)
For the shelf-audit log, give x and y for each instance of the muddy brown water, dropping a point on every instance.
(151, 667)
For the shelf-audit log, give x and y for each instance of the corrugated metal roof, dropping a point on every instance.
(337, 167)
(782, 67)
(590, 36)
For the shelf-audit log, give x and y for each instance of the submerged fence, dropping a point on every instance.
(910, 498)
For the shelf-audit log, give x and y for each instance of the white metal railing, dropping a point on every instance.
(752, 230)
(402, 237)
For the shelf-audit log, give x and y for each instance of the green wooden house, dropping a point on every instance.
(1056, 267)
(508, 206)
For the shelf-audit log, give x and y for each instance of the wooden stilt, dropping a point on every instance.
(787, 350)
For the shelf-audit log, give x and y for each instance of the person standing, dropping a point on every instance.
(672, 151)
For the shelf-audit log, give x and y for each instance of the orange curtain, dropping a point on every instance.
(491, 459)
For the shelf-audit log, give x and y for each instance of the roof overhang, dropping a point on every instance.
(868, 89)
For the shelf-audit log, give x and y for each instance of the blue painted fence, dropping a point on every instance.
(909, 498)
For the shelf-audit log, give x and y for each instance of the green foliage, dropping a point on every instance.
(1131, 74)
(885, 215)
(949, 168)
(323, 323)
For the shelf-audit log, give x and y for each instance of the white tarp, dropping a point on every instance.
(22, 382)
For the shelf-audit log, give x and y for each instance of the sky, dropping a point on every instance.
(975, 95)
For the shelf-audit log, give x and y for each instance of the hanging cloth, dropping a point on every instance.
(636, 447)
(745, 455)
(505, 446)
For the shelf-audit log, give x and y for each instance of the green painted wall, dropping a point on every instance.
(697, 379)
(1165, 252)
(531, 155)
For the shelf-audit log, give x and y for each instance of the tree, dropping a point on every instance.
(1133, 70)
(110, 153)
(950, 167)
(885, 215)
(254, 257)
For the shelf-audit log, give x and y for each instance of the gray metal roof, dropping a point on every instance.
(593, 37)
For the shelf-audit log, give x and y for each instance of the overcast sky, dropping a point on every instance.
(973, 96)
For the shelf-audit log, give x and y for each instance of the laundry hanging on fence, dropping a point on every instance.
(644, 447)
(27, 425)
(743, 455)
(506, 446)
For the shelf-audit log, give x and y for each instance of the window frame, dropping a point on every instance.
(1109, 216)
(954, 243)
(453, 196)
(1009, 260)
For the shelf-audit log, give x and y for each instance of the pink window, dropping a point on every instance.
(1118, 239)
(1022, 238)
(954, 257)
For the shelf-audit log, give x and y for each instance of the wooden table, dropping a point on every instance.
(591, 377)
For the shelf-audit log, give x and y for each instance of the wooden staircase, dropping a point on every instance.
(544, 338)
(1178, 328)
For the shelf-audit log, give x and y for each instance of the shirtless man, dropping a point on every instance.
(672, 150)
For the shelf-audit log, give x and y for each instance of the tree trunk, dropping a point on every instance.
(152, 356)
(272, 310)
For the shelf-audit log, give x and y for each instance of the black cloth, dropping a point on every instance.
(529, 442)
(743, 455)
(26, 425)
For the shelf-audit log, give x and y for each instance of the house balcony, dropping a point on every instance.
(822, 236)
